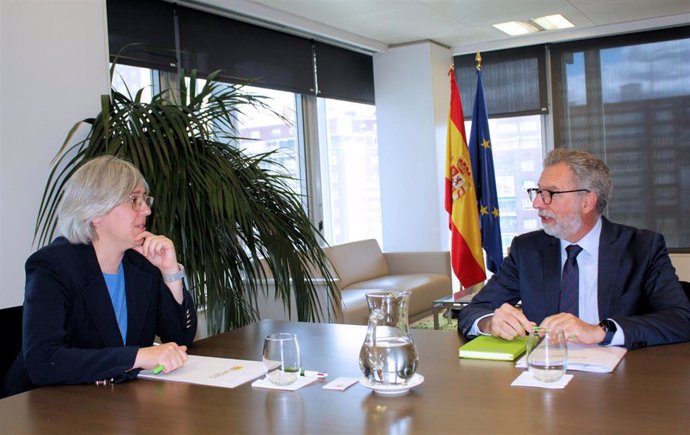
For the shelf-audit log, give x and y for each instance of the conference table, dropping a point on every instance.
(648, 392)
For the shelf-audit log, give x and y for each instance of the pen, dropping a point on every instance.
(314, 373)
(538, 329)
(158, 369)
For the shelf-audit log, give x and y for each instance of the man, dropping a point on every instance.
(618, 288)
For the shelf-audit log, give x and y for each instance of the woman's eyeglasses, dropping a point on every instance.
(136, 201)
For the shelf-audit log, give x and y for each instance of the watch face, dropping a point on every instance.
(609, 326)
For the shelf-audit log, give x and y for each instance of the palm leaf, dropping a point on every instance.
(224, 209)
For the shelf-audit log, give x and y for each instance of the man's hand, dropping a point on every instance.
(575, 330)
(507, 322)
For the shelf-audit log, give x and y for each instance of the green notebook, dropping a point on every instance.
(487, 347)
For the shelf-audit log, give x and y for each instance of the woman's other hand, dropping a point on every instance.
(169, 355)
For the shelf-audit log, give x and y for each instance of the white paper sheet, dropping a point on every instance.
(302, 381)
(216, 372)
(527, 380)
(589, 358)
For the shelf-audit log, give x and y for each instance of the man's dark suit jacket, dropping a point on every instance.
(70, 333)
(637, 285)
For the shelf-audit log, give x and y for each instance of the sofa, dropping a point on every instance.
(361, 267)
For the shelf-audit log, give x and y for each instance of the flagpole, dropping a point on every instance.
(478, 59)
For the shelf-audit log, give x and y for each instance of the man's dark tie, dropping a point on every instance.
(570, 282)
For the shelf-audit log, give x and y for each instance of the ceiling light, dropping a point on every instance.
(514, 28)
(553, 22)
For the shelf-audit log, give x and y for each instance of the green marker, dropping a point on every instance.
(158, 369)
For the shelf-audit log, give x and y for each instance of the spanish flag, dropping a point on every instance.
(466, 254)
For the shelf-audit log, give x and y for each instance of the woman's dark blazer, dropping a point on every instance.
(70, 334)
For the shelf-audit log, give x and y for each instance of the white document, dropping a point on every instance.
(216, 372)
(589, 358)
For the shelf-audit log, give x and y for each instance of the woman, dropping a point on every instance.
(97, 296)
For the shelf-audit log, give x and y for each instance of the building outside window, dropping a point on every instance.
(518, 155)
(128, 80)
(274, 131)
(349, 171)
(627, 99)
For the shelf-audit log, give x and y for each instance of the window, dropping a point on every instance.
(349, 170)
(128, 80)
(517, 150)
(346, 202)
(265, 131)
(518, 143)
(627, 99)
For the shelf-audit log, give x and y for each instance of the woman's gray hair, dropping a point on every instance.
(589, 172)
(97, 187)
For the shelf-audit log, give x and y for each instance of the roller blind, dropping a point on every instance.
(344, 74)
(150, 25)
(627, 100)
(242, 51)
(514, 81)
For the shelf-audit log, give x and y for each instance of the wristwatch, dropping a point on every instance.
(610, 329)
(172, 277)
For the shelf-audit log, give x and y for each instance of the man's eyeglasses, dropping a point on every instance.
(136, 201)
(547, 195)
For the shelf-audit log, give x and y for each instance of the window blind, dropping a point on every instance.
(627, 99)
(514, 81)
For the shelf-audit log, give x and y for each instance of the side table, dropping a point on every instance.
(449, 302)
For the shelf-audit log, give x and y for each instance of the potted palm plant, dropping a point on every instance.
(224, 209)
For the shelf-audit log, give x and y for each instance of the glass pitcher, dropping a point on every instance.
(388, 355)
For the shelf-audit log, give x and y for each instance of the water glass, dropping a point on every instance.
(547, 354)
(281, 358)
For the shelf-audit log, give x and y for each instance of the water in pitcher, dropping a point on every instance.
(388, 355)
(393, 361)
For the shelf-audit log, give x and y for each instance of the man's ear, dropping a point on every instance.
(590, 202)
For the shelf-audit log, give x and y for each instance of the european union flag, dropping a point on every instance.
(485, 180)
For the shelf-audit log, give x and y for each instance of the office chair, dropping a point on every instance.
(686, 288)
(11, 327)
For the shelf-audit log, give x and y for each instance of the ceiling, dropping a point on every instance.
(462, 25)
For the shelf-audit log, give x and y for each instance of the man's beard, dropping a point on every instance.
(563, 227)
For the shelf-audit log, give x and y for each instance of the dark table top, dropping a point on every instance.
(649, 392)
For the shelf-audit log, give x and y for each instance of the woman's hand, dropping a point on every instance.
(159, 250)
(169, 355)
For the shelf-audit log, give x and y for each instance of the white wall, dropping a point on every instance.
(412, 100)
(53, 67)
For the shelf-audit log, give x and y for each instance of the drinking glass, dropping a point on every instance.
(281, 358)
(547, 354)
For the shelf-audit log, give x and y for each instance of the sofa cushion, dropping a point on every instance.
(425, 288)
(357, 261)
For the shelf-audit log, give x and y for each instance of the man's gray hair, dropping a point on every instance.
(94, 190)
(589, 172)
